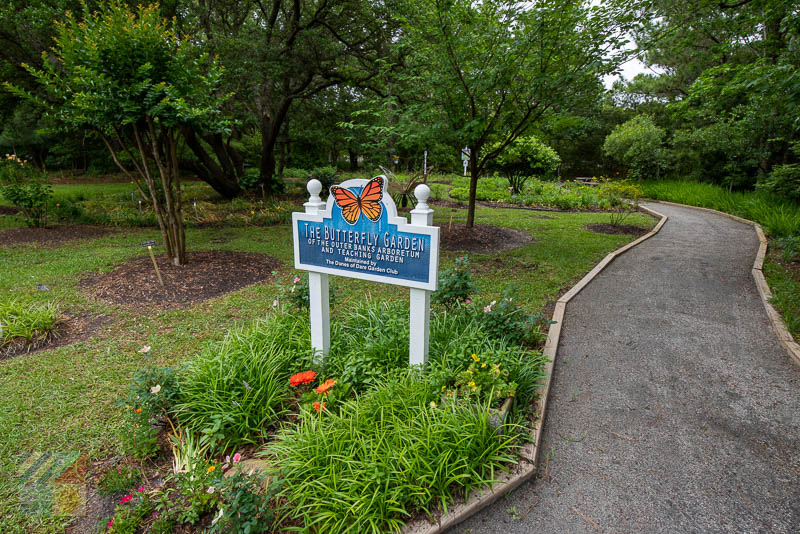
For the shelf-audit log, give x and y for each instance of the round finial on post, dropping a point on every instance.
(314, 188)
(423, 193)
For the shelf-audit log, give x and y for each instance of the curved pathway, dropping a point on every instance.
(673, 408)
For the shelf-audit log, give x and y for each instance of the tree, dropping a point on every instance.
(129, 78)
(638, 144)
(494, 68)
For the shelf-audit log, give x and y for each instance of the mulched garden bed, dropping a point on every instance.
(481, 238)
(206, 275)
(51, 235)
(72, 329)
(606, 228)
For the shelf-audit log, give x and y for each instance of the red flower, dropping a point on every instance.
(306, 377)
(319, 406)
(326, 386)
(126, 498)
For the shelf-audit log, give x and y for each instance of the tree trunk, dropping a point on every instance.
(222, 173)
(353, 159)
(270, 127)
(473, 186)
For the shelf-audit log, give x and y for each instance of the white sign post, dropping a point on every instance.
(318, 293)
(358, 234)
(465, 152)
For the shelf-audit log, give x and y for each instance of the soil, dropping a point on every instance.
(206, 275)
(74, 328)
(481, 238)
(51, 235)
(606, 228)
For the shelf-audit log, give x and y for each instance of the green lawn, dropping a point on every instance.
(64, 399)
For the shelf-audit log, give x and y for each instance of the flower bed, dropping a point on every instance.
(360, 443)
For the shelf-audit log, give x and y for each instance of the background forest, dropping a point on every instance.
(355, 84)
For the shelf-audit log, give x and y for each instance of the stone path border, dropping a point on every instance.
(526, 469)
(778, 326)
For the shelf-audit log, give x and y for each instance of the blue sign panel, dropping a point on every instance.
(359, 235)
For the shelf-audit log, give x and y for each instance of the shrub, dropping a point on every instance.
(297, 292)
(638, 144)
(623, 199)
(369, 466)
(507, 320)
(244, 506)
(526, 156)
(235, 389)
(790, 247)
(25, 187)
(784, 180)
(326, 175)
(455, 285)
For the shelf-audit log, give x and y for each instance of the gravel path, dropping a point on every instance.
(673, 408)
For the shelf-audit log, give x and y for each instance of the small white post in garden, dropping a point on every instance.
(357, 233)
(318, 295)
(420, 302)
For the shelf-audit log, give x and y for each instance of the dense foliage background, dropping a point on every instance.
(353, 84)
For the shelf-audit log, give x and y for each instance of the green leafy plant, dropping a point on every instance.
(234, 390)
(638, 144)
(138, 436)
(455, 285)
(296, 293)
(28, 322)
(357, 453)
(483, 380)
(244, 505)
(150, 399)
(505, 319)
(130, 513)
(524, 157)
(789, 247)
(118, 480)
(25, 187)
(623, 198)
(190, 495)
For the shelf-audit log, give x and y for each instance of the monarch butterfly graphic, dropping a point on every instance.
(368, 203)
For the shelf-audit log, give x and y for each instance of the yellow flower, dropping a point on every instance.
(443, 388)
(469, 371)
(483, 365)
(476, 358)
(252, 212)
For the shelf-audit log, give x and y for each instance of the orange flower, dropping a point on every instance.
(306, 377)
(319, 406)
(211, 468)
(326, 387)
(138, 410)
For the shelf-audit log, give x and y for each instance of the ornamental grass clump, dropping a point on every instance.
(26, 322)
(378, 459)
(234, 390)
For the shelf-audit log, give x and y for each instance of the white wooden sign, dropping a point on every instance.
(358, 234)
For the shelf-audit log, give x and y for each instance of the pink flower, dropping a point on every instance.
(111, 523)
(275, 303)
(297, 279)
(468, 301)
(140, 490)
(237, 458)
(126, 498)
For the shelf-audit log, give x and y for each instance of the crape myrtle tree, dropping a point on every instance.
(494, 68)
(130, 79)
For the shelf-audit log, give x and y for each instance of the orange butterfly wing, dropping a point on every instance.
(371, 197)
(369, 202)
(349, 203)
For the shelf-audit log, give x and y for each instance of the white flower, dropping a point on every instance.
(210, 489)
(155, 389)
(145, 349)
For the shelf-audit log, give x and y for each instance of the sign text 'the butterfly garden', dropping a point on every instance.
(359, 235)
